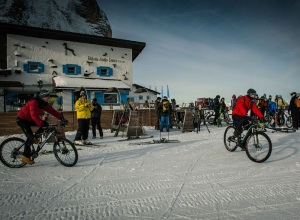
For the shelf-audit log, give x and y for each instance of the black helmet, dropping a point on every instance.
(251, 92)
(44, 94)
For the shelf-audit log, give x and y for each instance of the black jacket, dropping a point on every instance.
(96, 112)
(160, 108)
(293, 103)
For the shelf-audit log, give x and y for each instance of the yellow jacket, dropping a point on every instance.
(83, 111)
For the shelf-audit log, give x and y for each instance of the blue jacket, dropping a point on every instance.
(272, 107)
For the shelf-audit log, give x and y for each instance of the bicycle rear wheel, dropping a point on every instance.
(11, 151)
(289, 121)
(230, 141)
(210, 118)
(65, 152)
(258, 147)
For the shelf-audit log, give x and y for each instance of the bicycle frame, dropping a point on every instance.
(252, 129)
(34, 151)
(42, 144)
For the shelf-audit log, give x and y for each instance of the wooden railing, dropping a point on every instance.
(8, 125)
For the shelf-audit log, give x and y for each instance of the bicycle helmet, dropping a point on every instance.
(251, 92)
(44, 94)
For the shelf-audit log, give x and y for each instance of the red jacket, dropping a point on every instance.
(33, 110)
(243, 105)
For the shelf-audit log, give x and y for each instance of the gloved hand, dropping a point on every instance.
(262, 120)
(64, 121)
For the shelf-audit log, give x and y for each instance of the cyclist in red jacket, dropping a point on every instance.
(30, 115)
(240, 111)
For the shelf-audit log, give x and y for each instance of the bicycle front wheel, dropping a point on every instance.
(230, 141)
(11, 151)
(65, 152)
(258, 147)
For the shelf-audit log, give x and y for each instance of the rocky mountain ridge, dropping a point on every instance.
(80, 16)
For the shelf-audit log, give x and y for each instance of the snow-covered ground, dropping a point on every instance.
(194, 179)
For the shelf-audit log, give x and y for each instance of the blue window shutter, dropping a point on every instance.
(98, 70)
(65, 69)
(25, 67)
(110, 72)
(78, 69)
(41, 68)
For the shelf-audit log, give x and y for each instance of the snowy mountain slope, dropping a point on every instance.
(83, 16)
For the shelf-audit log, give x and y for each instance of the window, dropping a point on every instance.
(34, 67)
(104, 71)
(110, 98)
(141, 98)
(71, 69)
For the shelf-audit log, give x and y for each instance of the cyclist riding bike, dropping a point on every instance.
(30, 115)
(240, 111)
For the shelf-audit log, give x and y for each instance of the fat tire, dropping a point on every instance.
(289, 121)
(65, 152)
(8, 156)
(252, 150)
(229, 145)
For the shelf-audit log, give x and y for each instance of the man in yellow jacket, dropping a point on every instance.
(83, 108)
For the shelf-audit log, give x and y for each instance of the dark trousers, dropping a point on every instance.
(26, 128)
(83, 129)
(295, 118)
(157, 122)
(95, 121)
(217, 115)
(239, 122)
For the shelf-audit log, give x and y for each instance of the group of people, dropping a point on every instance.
(276, 107)
(90, 112)
(87, 112)
(30, 115)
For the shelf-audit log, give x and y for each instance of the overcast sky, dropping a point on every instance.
(204, 48)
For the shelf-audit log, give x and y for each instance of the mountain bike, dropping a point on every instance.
(280, 118)
(288, 120)
(255, 141)
(11, 149)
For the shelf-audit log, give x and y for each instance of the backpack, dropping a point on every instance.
(297, 103)
(165, 106)
(281, 104)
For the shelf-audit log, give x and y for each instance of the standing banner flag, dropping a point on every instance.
(162, 91)
(168, 93)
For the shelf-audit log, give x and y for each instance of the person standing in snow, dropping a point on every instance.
(293, 110)
(156, 104)
(83, 108)
(165, 109)
(30, 115)
(216, 109)
(96, 118)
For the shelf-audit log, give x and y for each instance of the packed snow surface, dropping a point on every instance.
(196, 178)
